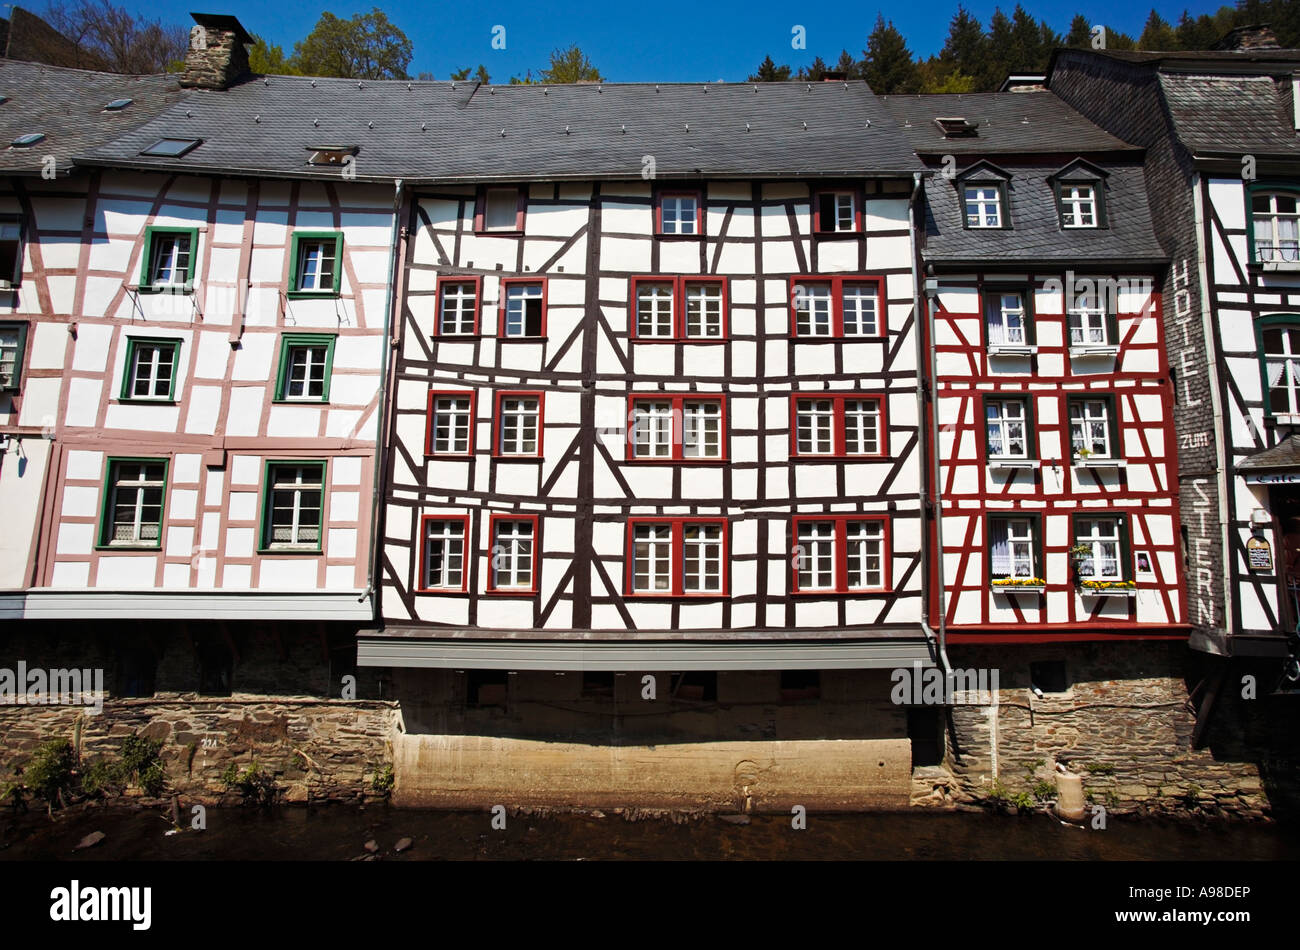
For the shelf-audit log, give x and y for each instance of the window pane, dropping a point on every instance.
(502, 209)
(814, 426)
(654, 310)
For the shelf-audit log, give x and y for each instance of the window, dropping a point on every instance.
(514, 554)
(680, 214)
(133, 503)
(840, 554)
(836, 426)
(457, 307)
(676, 428)
(451, 423)
(291, 509)
(499, 210)
(306, 360)
(13, 346)
(1007, 320)
(1092, 428)
(836, 306)
(117, 105)
(519, 424)
(982, 204)
(1099, 544)
(1007, 427)
(1014, 548)
(169, 257)
(11, 251)
(442, 565)
(1276, 226)
(317, 268)
(523, 308)
(1078, 206)
(28, 139)
(331, 154)
(836, 212)
(677, 557)
(679, 308)
(150, 369)
(172, 148)
(1281, 355)
(1090, 321)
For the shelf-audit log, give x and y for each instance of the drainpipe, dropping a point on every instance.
(939, 638)
(381, 411)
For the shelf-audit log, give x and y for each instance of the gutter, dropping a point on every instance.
(381, 407)
(938, 638)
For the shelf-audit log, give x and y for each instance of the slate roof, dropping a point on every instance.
(1231, 114)
(1183, 59)
(1036, 233)
(68, 106)
(1008, 122)
(440, 131)
(1284, 455)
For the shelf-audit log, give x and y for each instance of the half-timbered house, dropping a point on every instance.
(1224, 181)
(654, 414)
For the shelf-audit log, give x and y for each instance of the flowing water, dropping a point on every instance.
(340, 833)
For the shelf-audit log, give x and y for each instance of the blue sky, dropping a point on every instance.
(666, 40)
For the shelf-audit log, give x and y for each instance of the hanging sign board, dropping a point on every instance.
(1273, 478)
(1259, 555)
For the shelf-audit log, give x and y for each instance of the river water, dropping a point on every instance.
(340, 832)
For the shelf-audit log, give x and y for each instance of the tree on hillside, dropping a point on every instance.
(1031, 43)
(115, 39)
(889, 64)
(769, 71)
(965, 46)
(570, 65)
(1157, 34)
(267, 59)
(368, 46)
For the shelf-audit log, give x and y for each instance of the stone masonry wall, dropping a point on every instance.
(1124, 724)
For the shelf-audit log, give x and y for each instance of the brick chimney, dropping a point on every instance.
(1246, 38)
(218, 53)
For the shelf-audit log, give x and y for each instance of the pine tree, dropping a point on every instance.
(997, 60)
(890, 67)
(769, 71)
(847, 65)
(966, 44)
(1080, 35)
(1157, 34)
(814, 71)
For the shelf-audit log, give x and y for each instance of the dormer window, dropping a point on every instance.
(330, 154)
(1078, 206)
(982, 203)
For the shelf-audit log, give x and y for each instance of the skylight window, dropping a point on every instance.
(28, 140)
(957, 126)
(330, 154)
(3, 100)
(117, 105)
(172, 148)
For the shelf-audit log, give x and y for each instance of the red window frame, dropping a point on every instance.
(697, 194)
(841, 554)
(676, 563)
(858, 201)
(437, 306)
(468, 555)
(839, 435)
(480, 209)
(679, 283)
(507, 282)
(678, 400)
(428, 422)
(837, 282)
(497, 420)
(493, 520)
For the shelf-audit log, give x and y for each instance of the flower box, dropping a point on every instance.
(1014, 463)
(1107, 588)
(1093, 350)
(1018, 585)
(1012, 349)
(1092, 461)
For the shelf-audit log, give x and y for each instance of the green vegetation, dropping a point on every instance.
(255, 785)
(383, 781)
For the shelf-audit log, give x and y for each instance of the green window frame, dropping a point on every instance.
(284, 381)
(134, 344)
(1098, 203)
(1126, 568)
(1276, 321)
(1266, 187)
(1035, 520)
(296, 270)
(276, 471)
(109, 505)
(1112, 420)
(1031, 439)
(151, 247)
(17, 331)
(992, 294)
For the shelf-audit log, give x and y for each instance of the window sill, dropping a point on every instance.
(689, 595)
(281, 401)
(510, 592)
(450, 456)
(511, 233)
(310, 552)
(142, 401)
(857, 592)
(179, 290)
(1107, 592)
(1012, 349)
(708, 341)
(441, 590)
(1285, 419)
(1270, 267)
(458, 336)
(1014, 463)
(312, 294)
(1018, 588)
(143, 548)
(833, 235)
(691, 461)
(1095, 350)
(522, 339)
(838, 458)
(1099, 463)
(843, 338)
(497, 456)
(681, 237)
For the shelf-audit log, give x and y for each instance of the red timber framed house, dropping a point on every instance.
(195, 313)
(1056, 501)
(1222, 128)
(654, 427)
